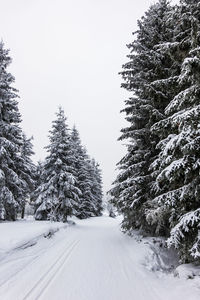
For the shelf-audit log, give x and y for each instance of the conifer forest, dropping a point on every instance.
(157, 189)
(67, 183)
(62, 234)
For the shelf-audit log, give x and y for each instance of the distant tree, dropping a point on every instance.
(86, 184)
(89, 180)
(109, 207)
(38, 179)
(97, 193)
(78, 164)
(39, 173)
(28, 170)
(58, 194)
(15, 179)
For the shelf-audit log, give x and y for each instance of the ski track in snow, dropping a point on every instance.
(90, 261)
(43, 283)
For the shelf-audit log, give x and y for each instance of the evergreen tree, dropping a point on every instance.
(96, 188)
(39, 173)
(58, 195)
(145, 76)
(88, 205)
(38, 180)
(28, 170)
(14, 171)
(177, 200)
(89, 180)
(81, 169)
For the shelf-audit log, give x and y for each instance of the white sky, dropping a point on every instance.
(69, 53)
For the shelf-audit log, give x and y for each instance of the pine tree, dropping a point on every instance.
(14, 173)
(39, 173)
(28, 170)
(86, 185)
(38, 180)
(89, 180)
(177, 166)
(145, 76)
(58, 195)
(80, 166)
(97, 193)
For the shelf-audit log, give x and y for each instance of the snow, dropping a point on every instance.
(93, 260)
(188, 271)
(17, 234)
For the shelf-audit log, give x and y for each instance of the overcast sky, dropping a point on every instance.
(69, 53)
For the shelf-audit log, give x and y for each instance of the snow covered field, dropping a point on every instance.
(92, 260)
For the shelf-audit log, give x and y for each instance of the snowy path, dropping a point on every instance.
(90, 261)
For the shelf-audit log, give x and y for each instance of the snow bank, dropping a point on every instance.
(187, 271)
(157, 257)
(24, 233)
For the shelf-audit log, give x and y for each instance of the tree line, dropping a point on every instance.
(157, 189)
(67, 183)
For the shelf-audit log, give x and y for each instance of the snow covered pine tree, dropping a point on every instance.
(81, 168)
(15, 176)
(144, 76)
(97, 193)
(28, 168)
(58, 194)
(89, 180)
(178, 164)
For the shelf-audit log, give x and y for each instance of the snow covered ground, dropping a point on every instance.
(24, 232)
(92, 260)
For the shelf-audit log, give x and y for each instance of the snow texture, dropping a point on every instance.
(90, 261)
(20, 233)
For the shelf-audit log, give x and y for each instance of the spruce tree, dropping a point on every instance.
(58, 195)
(39, 173)
(81, 169)
(89, 180)
(86, 185)
(14, 170)
(177, 201)
(96, 188)
(28, 170)
(145, 77)
(38, 180)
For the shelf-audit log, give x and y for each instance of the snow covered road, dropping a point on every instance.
(90, 261)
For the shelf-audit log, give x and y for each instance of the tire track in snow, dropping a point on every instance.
(42, 284)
